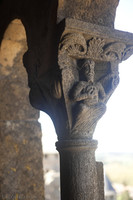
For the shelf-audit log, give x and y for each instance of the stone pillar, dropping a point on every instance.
(88, 58)
(21, 170)
(78, 169)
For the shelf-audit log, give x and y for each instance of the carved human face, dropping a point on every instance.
(88, 67)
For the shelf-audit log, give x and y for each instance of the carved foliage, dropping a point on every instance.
(127, 53)
(95, 48)
(75, 45)
(114, 51)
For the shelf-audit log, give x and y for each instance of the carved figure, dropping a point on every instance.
(88, 108)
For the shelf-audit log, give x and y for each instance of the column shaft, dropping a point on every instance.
(78, 170)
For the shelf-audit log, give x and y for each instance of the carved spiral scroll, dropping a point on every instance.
(74, 44)
(127, 53)
(114, 51)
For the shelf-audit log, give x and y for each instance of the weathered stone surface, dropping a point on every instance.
(88, 57)
(15, 32)
(100, 174)
(78, 169)
(88, 30)
(21, 170)
(100, 12)
(13, 78)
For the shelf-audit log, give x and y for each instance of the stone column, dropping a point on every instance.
(78, 169)
(88, 58)
(21, 170)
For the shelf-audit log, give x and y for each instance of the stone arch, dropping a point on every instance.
(21, 171)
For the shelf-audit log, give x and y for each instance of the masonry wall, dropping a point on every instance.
(21, 171)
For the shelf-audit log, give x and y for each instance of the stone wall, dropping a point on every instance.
(21, 171)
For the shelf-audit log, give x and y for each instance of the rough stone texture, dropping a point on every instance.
(100, 12)
(100, 175)
(21, 170)
(88, 57)
(78, 170)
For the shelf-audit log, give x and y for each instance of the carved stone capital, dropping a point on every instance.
(95, 42)
(88, 58)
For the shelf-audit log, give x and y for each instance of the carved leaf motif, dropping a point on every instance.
(114, 52)
(74, 44)
(95, 48)
(127, 53)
